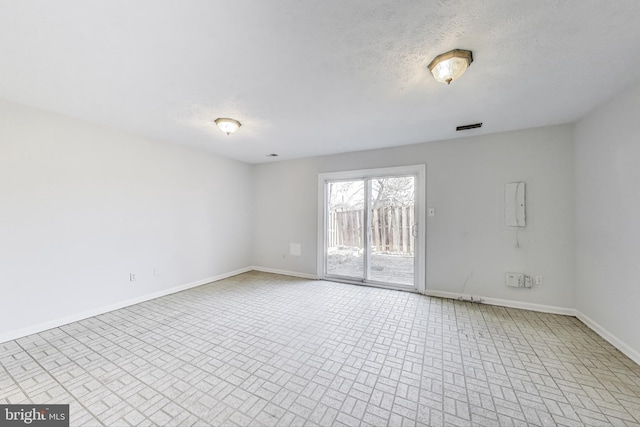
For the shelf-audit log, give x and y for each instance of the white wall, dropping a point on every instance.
(465, 183)
(607, 210)
(82, 206)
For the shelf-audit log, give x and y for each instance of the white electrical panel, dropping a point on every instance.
(514, 204)
(515, 280)
(518, 280)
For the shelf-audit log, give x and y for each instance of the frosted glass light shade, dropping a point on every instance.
(228, 126)
(451, 65)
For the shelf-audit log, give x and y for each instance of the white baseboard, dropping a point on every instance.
(507, 303)
(12, 335)
(608, 336)
(285, 272)
(612, 339)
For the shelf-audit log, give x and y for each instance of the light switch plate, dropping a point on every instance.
(294, 249)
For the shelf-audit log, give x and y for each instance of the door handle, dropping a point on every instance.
(414, 230)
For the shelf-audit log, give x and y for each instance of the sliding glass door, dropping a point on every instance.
(391, 228)
(345, 231)
(369, 228)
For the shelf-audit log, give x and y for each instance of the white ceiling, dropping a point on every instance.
(315, 77)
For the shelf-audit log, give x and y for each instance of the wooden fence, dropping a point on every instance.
(390, 229)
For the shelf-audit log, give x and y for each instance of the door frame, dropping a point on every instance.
(420, 259)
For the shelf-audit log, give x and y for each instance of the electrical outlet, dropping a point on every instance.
(132, 277)
(527, 281)
(156, 272)
(539, 280)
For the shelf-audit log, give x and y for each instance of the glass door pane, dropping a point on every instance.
(345, 237)
(391, 218)
(372, 227)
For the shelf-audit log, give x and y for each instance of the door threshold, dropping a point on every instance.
(405, 288)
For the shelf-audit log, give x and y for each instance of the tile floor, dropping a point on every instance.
(263, 349)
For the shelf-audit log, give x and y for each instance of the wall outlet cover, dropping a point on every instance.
(294, 249)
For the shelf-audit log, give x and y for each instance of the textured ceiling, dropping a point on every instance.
(315, 77)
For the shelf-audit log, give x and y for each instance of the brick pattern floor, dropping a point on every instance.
(262, 349)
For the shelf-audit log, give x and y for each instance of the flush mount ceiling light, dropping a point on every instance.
(447, 67)
(228, 126)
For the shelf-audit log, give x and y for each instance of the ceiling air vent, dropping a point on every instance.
(467, 127)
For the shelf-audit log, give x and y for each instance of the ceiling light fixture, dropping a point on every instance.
(447, 67)
(228, 126)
